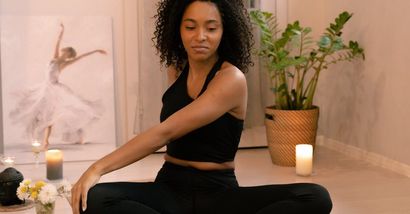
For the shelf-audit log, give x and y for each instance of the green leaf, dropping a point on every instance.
(336, 28)
(294, 59)
(324, 42)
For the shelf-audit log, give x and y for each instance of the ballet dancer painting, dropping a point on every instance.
(58, 86)
(54, 103)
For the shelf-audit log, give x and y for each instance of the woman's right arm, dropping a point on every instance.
(57, 48)
(136, 149)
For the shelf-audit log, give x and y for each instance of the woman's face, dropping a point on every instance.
(201, 30)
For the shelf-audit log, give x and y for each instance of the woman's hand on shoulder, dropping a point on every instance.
(226, 92)
(79, 192)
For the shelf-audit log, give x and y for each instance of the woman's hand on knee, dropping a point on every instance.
(80, 189)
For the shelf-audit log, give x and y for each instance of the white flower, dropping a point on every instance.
(65, 188)
(48, 194)
(26, 182)
(22, 192)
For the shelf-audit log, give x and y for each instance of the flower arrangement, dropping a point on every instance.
(43, 193)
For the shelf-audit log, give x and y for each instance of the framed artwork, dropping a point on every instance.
(57, 79)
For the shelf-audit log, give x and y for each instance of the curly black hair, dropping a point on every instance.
(236, 43)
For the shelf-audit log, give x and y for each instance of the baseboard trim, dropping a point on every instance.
(370, 157)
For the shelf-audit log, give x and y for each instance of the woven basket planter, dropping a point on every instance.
(287, 128)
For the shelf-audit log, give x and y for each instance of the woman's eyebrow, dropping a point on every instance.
(189, 20)
(207, 21)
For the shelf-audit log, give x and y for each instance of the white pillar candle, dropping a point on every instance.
(8, 161)
(54, 162)
(304, 159)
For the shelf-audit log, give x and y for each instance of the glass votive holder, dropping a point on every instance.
(8, 161)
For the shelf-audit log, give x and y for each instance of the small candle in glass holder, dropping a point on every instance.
(36, 146)
(8, 161)
(304, 159)
(54, 163)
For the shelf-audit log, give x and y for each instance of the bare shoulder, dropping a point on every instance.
(230, 75)
(173, 74)
(229, 85)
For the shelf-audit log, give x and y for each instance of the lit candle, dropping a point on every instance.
(54, 162)
(304, 162)
(8, 162)
(36, 146)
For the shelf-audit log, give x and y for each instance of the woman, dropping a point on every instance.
(54, 104)
(201, 123)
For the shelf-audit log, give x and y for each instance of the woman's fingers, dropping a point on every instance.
(84, 199)
(80, 190)
(74, 200)
(79, 198)
(102, 51)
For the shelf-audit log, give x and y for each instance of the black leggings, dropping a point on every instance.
(181, 190)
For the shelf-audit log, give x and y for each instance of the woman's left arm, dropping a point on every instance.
(69, 62)
(227, 92)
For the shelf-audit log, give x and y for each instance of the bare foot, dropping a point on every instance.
(81, 142)
(80, 134)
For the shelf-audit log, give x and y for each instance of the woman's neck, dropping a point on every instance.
(201, 68)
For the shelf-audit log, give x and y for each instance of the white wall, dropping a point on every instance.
(365, 104)
(152, 78)
(125, 32)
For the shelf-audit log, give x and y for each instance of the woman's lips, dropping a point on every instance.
(200, 49)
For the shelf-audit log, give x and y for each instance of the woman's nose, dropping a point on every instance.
(201, 35)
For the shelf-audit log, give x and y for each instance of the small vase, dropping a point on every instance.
(44, 208)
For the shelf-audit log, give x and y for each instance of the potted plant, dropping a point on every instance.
(295, 61)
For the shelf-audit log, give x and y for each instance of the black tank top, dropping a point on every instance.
(215, 142)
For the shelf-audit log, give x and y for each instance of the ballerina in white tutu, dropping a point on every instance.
(53, 105)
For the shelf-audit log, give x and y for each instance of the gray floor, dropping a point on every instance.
(356, 187)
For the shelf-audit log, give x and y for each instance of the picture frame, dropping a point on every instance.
(27, 45)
